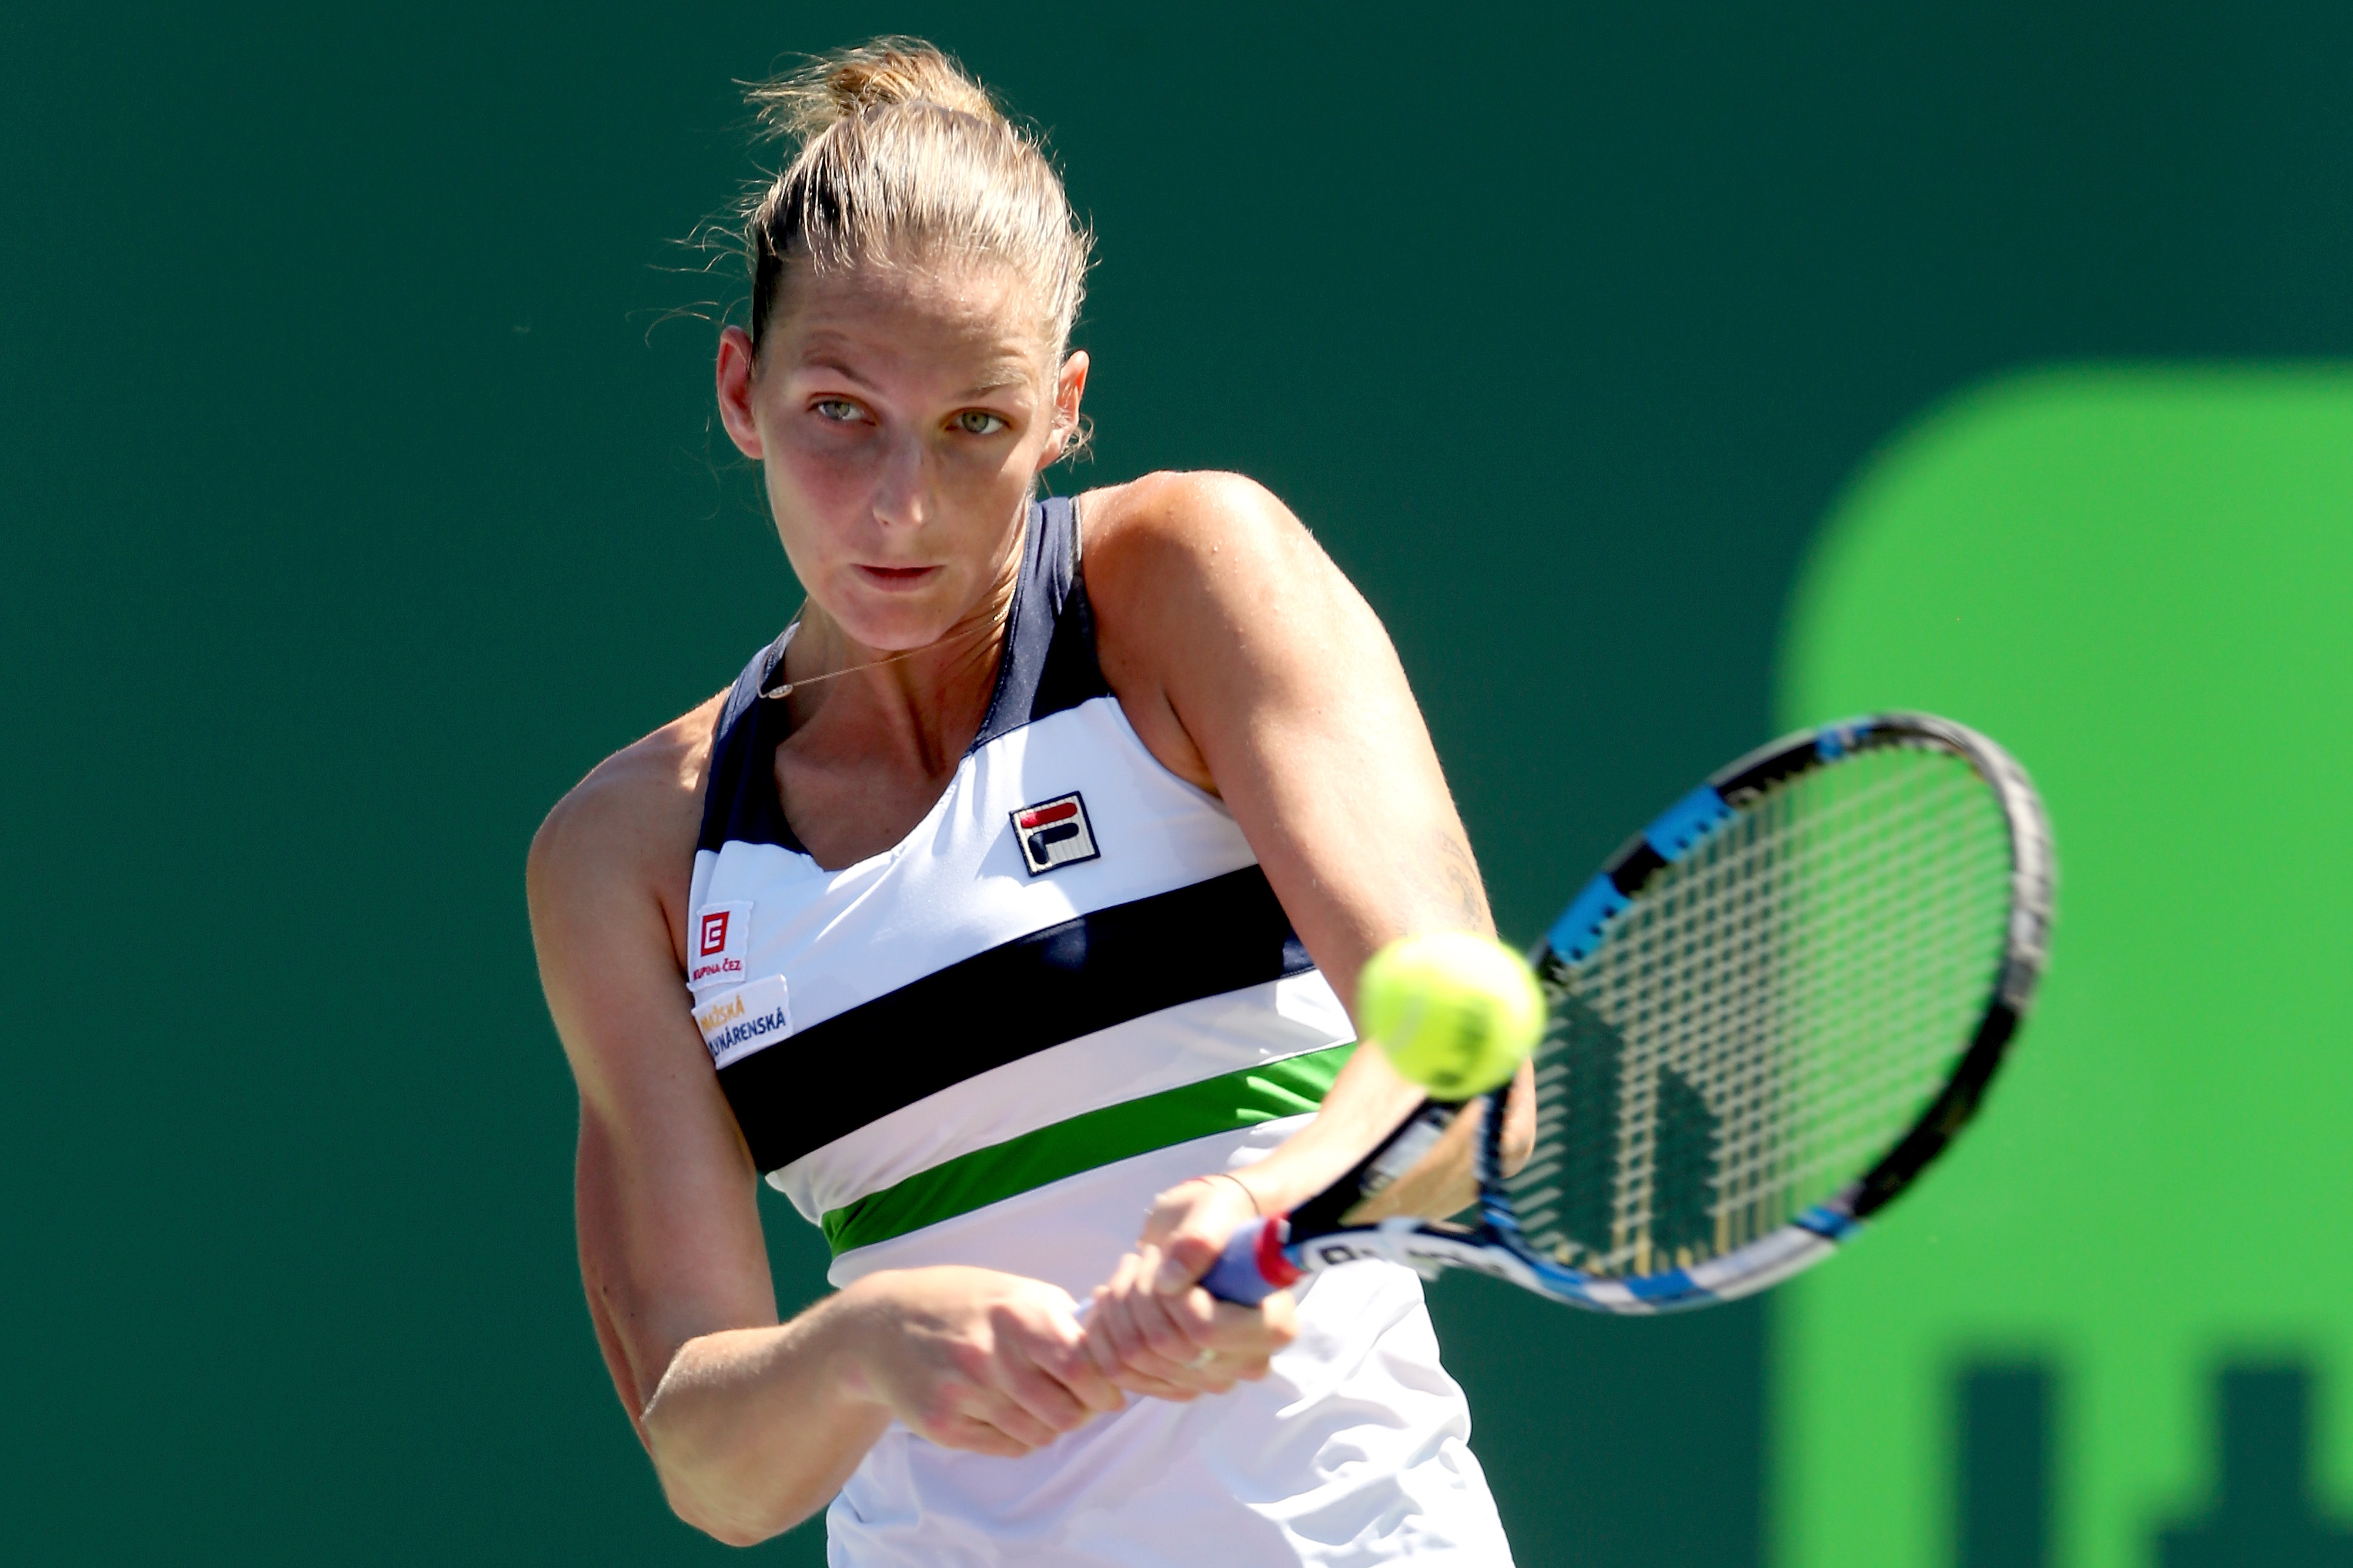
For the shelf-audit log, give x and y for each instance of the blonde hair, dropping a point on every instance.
(900, 156)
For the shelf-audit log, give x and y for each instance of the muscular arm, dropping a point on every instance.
(1249, 666)
(751, 1425)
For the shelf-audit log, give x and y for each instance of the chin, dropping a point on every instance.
(894, 626)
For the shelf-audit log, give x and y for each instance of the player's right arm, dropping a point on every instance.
(751, 1424)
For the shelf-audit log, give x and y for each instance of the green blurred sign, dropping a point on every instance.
(2113, 1331)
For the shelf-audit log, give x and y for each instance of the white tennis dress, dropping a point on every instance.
(1069, 988)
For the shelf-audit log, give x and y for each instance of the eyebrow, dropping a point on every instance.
(1008, 371)
(998, 382)
(839, 368)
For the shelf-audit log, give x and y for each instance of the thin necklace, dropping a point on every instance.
(789, 687)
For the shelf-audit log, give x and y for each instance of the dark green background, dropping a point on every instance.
(356, 500)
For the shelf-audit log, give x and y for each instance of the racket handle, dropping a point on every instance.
(1253, 1266)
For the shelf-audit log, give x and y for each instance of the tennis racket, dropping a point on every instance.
(1769, 1012)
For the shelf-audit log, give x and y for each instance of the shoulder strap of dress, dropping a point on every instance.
(739, 791)
(1049, 663)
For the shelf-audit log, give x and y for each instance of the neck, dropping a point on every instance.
(928, 700)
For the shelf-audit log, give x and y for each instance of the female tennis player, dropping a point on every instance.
(1003, 914)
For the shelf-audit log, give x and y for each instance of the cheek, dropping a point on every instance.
(823, 474)
(817, 502)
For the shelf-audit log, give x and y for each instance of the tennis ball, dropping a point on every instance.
(1455, 1012)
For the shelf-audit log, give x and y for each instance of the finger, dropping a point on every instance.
(1172, 1353)
(975, 1436)
(1140, 1369)
(1188, 1252)
(1111, 1338)
(1154, 1388)
(1100, 1349)
(1039, 1394)
(1233, 1330)
(1146, 1332)
(1034, 1364)
(1167, 1211)
(1115, 1331)
(1074, 1366)
(1245, 1339)
(1032, 1347)
(1112, 1325)
(1010, 1417)
(1193, 1245)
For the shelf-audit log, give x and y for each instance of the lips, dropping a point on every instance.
(897, 576)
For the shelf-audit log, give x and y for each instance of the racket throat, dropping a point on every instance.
(1408, 1148)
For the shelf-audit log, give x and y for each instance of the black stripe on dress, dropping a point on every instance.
(1041, 990)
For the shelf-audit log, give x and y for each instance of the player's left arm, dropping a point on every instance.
(1250, 667)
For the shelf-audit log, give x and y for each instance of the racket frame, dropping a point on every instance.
(1266, 1256)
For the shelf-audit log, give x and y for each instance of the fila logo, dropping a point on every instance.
(715, 940)
(1054, 832)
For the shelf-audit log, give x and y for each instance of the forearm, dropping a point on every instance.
(753, 1430)
(1365, 1104)
(1368, 1102)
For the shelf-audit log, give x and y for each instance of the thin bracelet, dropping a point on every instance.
(1237, 1181)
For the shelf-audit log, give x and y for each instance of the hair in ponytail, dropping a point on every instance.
(900, 156)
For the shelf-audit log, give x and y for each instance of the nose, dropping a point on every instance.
(902, 484)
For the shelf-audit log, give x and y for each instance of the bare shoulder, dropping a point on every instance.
(1173, 559)
(1209, 596)
(1224, 524)
(631, 823)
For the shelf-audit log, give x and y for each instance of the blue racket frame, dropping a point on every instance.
(1265, 1255)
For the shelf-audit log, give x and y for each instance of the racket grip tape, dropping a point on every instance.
(1253, 1267)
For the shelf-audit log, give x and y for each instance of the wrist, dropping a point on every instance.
(1258, 1206)
(847, 1331)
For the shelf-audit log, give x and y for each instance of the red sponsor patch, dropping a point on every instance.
(716, 939)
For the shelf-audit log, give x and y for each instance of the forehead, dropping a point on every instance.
(973, 325)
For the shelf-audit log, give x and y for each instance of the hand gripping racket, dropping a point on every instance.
(1769, 1012)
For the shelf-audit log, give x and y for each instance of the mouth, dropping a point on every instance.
(897, 578)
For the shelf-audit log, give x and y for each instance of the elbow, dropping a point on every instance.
(726, 1532)
(721, 1512)
(709, 1487)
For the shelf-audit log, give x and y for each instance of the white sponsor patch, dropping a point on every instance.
(745, 1020)
(715, 940)
(1055, 833)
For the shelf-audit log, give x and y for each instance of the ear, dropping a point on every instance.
(738, 377)
(1069, 390)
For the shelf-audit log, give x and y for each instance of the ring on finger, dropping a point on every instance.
(1204, 1359)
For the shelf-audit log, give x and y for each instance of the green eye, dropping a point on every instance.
(841, 410)
(978, 422)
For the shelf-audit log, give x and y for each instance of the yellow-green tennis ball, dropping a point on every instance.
(1455, 1012)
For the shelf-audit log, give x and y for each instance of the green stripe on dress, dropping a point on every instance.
(1291, 1087)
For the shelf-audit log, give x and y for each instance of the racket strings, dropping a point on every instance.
(1862, 929)
(1770, 1012)
(1867, 931)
